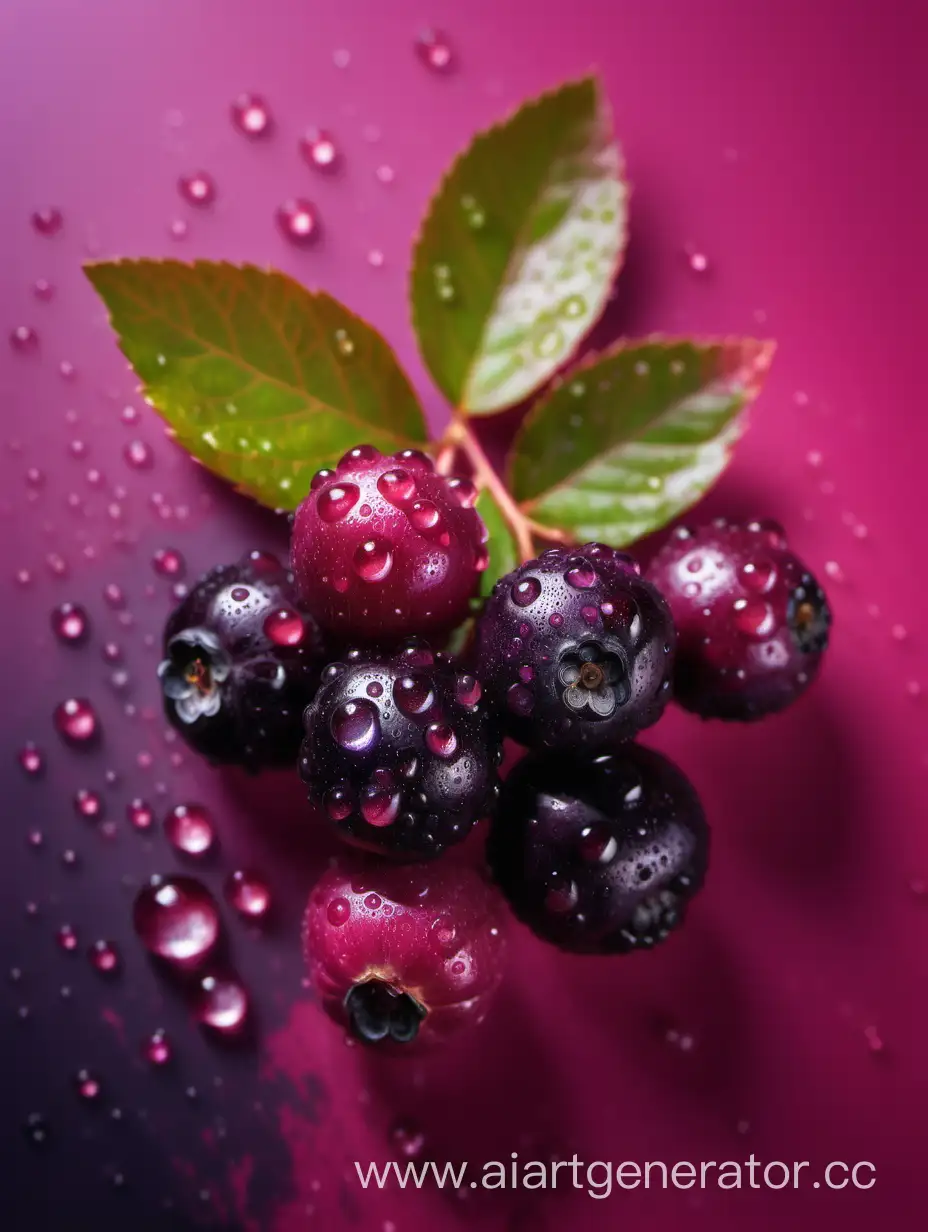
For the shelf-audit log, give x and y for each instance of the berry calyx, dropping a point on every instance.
(241, 661)
(752, 622)
(575, 649)
(399, 752)
(384, 547)
(599, 855)
(403, 953)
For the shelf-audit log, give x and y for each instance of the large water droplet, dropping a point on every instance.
(189, 828)
(222, 1003)
(580, 574)
(248, 893)
(140, 814)
(373, 560)
(298, 220)
(397, 486)
(465, 491)
(319, 149)
(441, 740)
(379, 807)
(413, 694)
(284, 627)
(251, 115)
(75, 721)
(176, 919)
(355, 726)
(337, 502)
(338, 911)
(525, 593)
(198, 189)
(754, 618)
(467, 689)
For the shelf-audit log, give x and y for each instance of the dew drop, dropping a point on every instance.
(298, 220)
(580, 574)
(24, 338)
(337, 502)
(467, 689)
(355, 726)
(697, 261)
(525, 593)
(75, 720)
(221, 1003)
(248, 894)
(413, 695)
(88, 803)
(834, 571)
(177, 229)
(375, 258)
(168, 562)
(397, 486)
(197, 189)
(338, 912)
(319, 149)
(47, 221)
(189, 828)
(251, 116)
(104, 957)
(42, 289)
(573, 306)
(555, 620)
(67, 938)
(373, 560)
(138, 455)
(156, 1048)
(562, 899)
(754, 618)
(379, 807)
(758, 575)
(434, 50)
(176, 919)
(385, 174)
(31, 759)
(441, 740)
(113, 595)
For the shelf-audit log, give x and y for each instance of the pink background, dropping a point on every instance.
(783, 140)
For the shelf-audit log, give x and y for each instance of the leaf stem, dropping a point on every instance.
(460, 436)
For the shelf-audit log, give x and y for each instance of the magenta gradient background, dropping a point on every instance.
(774, 135)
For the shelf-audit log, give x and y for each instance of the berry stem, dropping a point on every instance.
(459, 436)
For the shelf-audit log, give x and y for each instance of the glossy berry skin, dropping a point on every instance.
(575, 649)
(752, 622)
(241, 661)
(399, 752)
(599, 854)
(384, 548)
(398, 954)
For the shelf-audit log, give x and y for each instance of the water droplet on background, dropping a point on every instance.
(31, 759)
(75, 721)
(88, 803)
(138, 455)
(251, 115)
(104, 957)
(319, 149)
(222, 1004)
(47, 221)
(70, 623)
(189, 828)
(434, 50)
(198, 189)
(176, 919)
(24, 338)
(298, 220)
(248, 894)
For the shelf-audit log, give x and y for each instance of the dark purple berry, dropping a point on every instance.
(599, 854)
(752, 622)
(383, 547)
(575, 649)
(241, 661)
(398, 751)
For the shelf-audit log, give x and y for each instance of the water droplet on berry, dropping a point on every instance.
(284, 627)
(88, 803)
(197, 189)
(35, 838)
(555, 620)
(375, 258)
(298, 220)
(754, 618)
(251, 116)
(590, 615)
(248, 893)
(562, 899)
(337, 502)
(441, 740)
(373, 560)
(338, 911)
(355, 726)
(70, 623)
(467, 689)
(113, 595)
(221, 1004)
(24, 338)
(139, 814)
(156, 1048)
(413, 695)
(520, 699)
(397, 486)
(47, 221)
(104, 957)
(425, 517)
(341, 57)
(379, 807)
(525, 593)
(176, 919)
(434, 50)
(834, 571)
(597, 844)
(75, 721)
(319, 149)
(138, 455)
(189, 828)
(580, 574)
(31, 759)
(239, 594)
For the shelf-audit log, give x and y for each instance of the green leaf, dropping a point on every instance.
(634, 436)
(260, 379)
(504, 555)
(519, 249)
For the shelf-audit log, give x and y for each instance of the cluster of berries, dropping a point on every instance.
(597, 843)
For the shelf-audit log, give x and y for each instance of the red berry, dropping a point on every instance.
(752, 622)
(383, 547)
(403, 953)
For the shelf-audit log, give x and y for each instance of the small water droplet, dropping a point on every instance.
(580, 574)
(32, 759)
(834, 571)
(319, 149)
(697, 261)
(284, 627)
(70, 623)
(156, 1048)
(88, 803)
(524, 593)
(24, 338)
(441, 740)
(337, 502)
(67, 938)
(373, 560)
(168, 562)
(444, 285)
(549, 344)
(42, 289)
(138, 455)
(520, 699)
(47, 221)
(355, 726)
(75, 720)
(251, 116)
(189, 828)
(36, 1129)
(176, 919)
(298, 220)
(434, 50)
(555, 620)
(375, 258)
(104, 957)
(221, 1004)
(248, 894)
(35, 839)
(899, 633)
(87, 1085)
(197, 189)
(338, 911)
